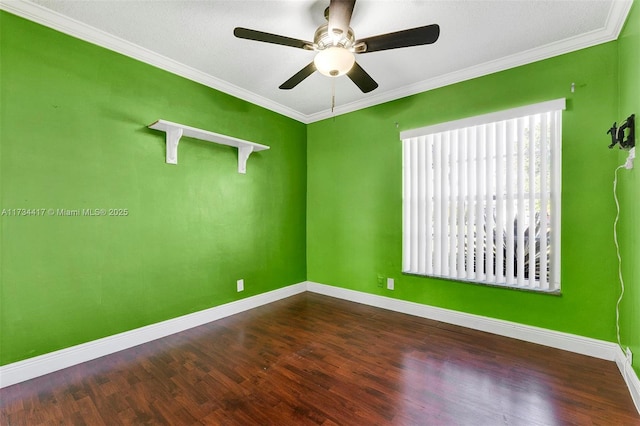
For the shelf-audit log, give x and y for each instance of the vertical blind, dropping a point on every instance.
(481, 198)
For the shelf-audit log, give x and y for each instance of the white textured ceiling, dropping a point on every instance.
(195, 39)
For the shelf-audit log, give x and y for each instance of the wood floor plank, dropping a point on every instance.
(315, 360)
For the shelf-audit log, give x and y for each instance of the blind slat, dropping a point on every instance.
(454, 191)
(510, 181)
(462, 195)
(422, 206)
(471, 197)
(521, 215)
(500, 178)
(544, 199)
(414, 205)
(531, 250)
(437, 208)
(480, 193)
(407, 235)
(556, 188)
(489, 194)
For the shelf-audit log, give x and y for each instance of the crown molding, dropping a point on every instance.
(41, 15)
(82, 31)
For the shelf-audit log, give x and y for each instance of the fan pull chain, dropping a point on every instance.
(333, 94)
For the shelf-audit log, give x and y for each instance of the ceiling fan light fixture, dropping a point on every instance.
(335, 44)
(334, 61)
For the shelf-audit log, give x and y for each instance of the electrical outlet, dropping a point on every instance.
(380, 281)
(240, 284)
(390, 284)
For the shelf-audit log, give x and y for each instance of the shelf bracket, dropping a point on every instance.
(175, 131)
(173, 139)
(243, 155)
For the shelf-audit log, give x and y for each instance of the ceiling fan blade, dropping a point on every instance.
(363, 80)
(340, 16)
(271, 38)
(406, 38)
(298, 77)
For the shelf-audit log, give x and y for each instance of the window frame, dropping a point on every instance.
(550, 285)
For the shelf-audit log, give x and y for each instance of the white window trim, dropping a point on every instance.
(508, 114)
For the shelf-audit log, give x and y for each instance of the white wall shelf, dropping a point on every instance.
(175, 131)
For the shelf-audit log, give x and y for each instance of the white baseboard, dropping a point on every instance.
(38, 366)
(630, 377)
(555, 339)
(44, 364)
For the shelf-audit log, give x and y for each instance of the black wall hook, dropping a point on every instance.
(618, 134)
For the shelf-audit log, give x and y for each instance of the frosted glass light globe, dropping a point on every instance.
(334, 61)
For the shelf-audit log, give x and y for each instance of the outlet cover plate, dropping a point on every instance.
(240, 284)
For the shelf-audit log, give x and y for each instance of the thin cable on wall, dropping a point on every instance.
(615, 239)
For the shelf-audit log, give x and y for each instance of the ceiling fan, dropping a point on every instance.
(335, 44)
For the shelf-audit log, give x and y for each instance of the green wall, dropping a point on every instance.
(324, 203)
(629, 185)
(73, 136)
(354, 210)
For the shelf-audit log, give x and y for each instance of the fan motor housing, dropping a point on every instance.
(322, 39)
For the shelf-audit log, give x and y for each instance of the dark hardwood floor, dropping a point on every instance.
(312, 359)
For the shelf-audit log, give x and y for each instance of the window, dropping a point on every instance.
(481, 198)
